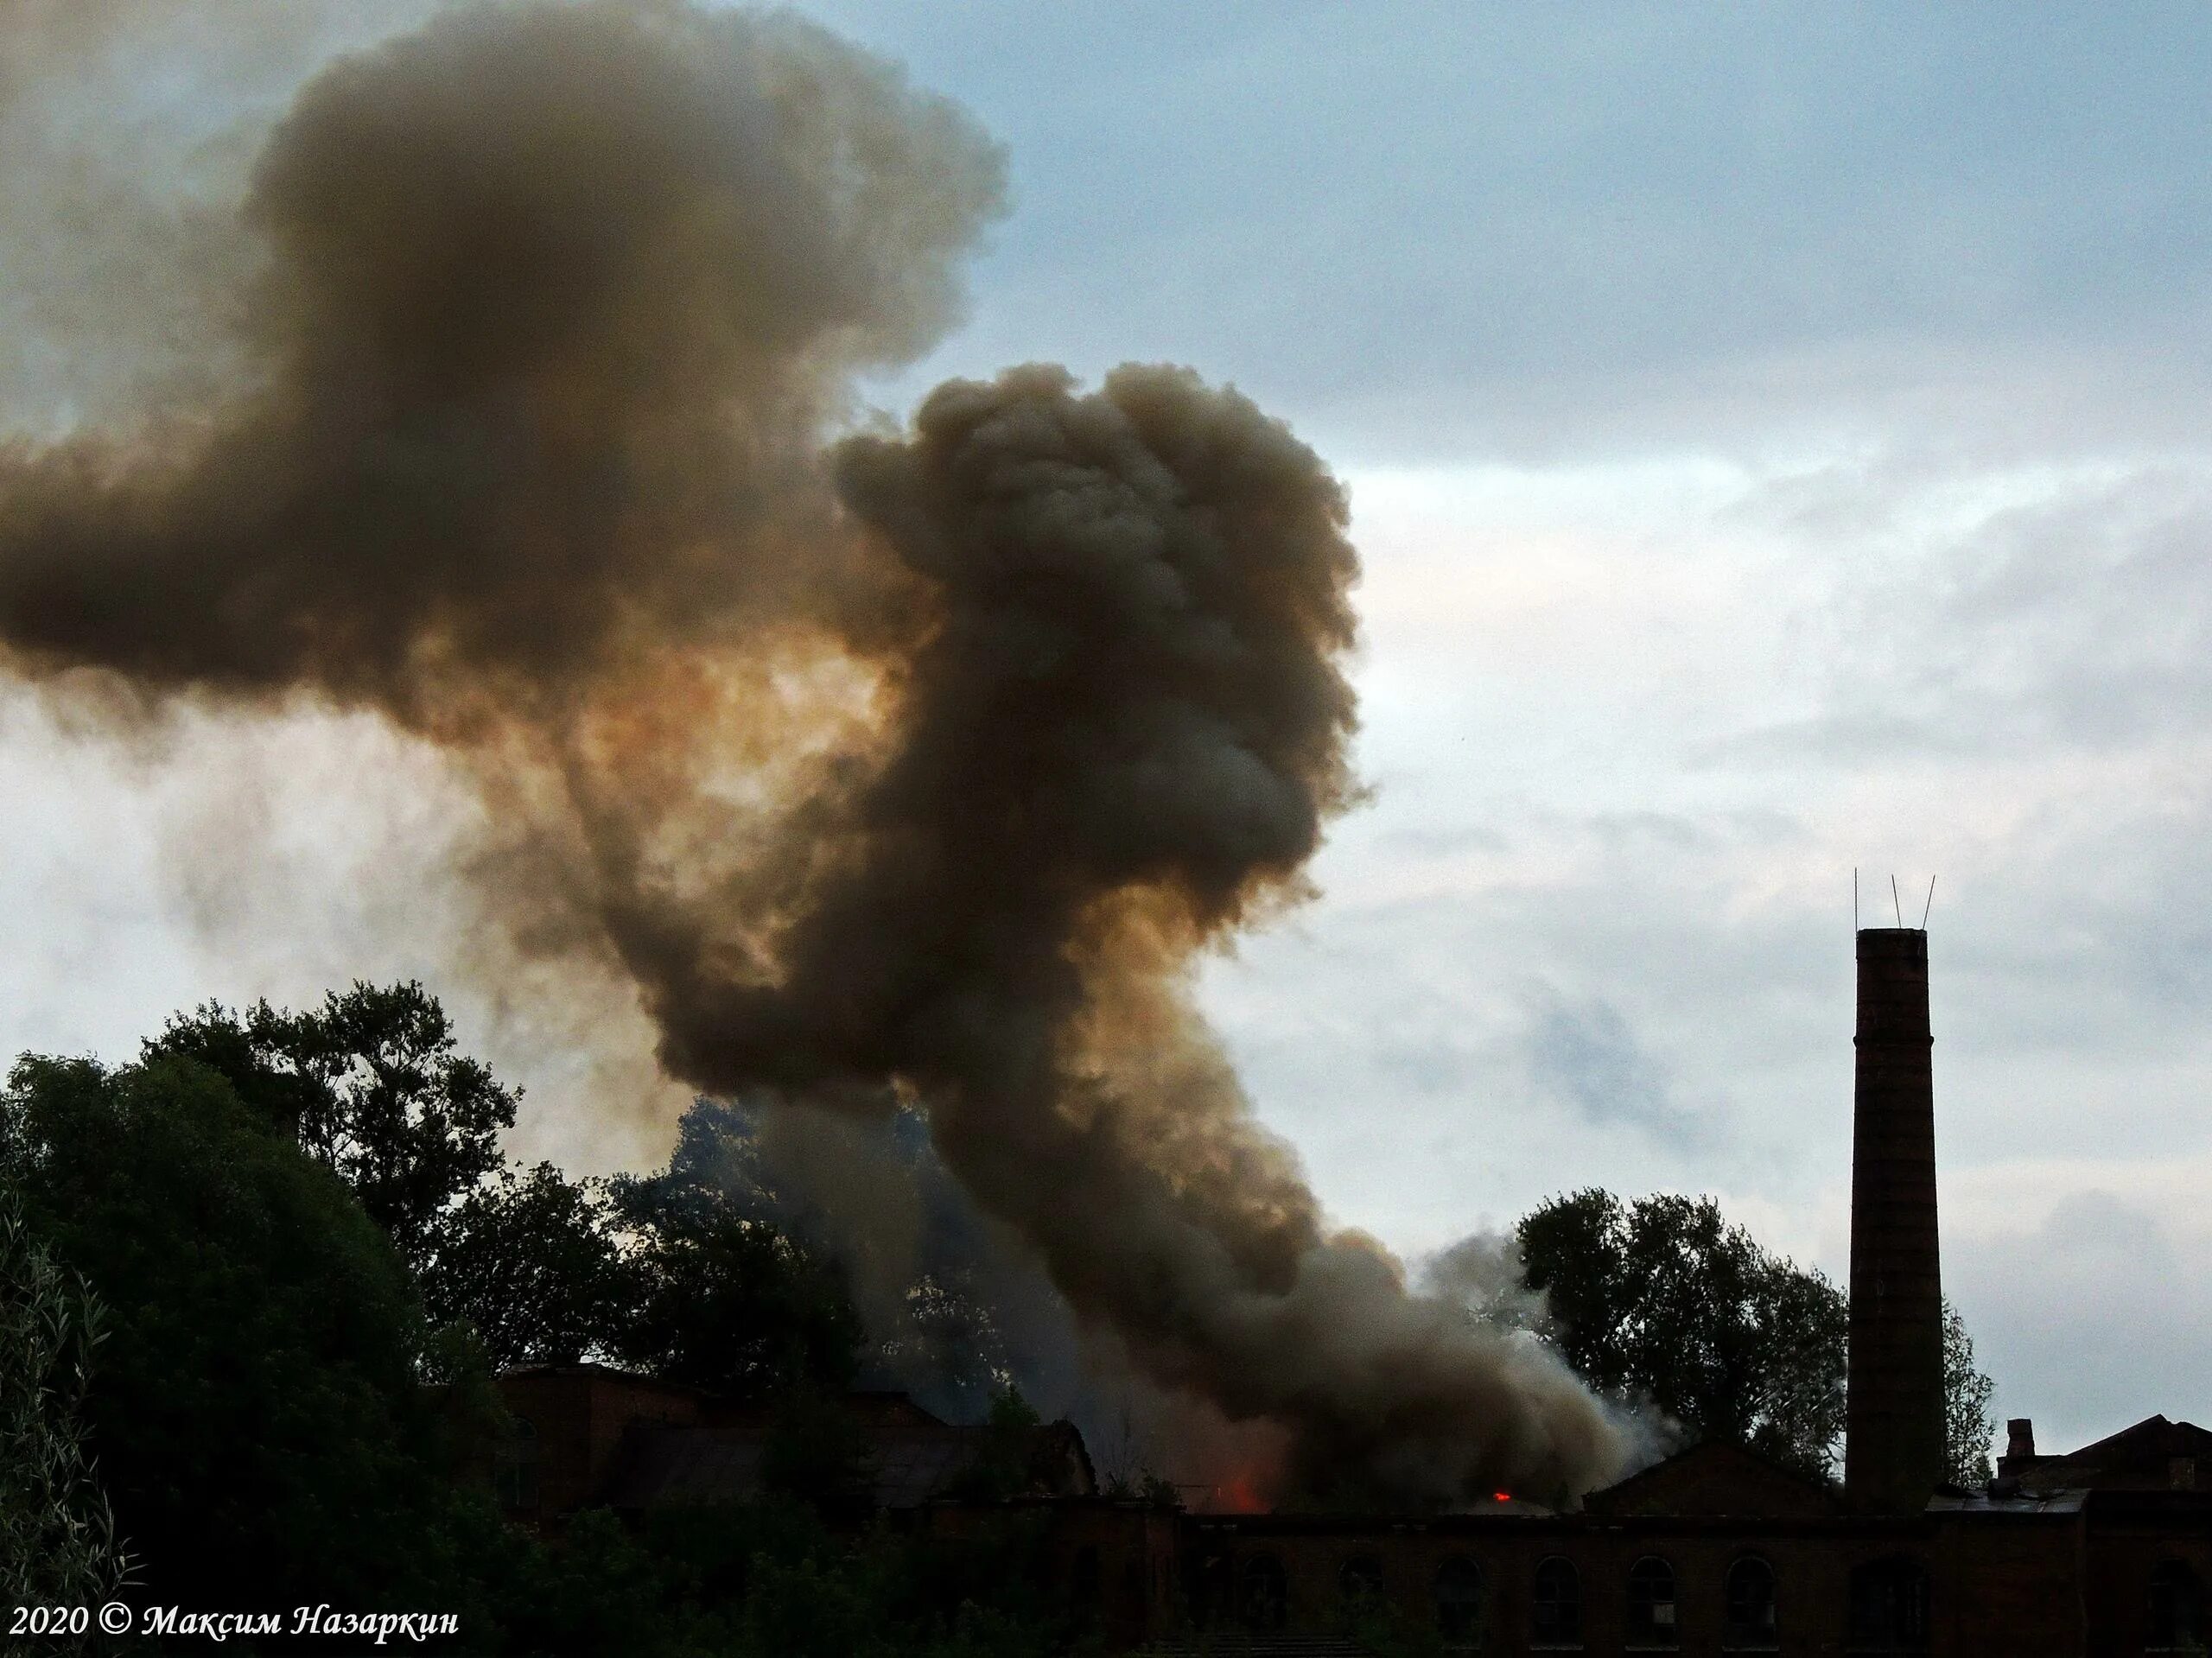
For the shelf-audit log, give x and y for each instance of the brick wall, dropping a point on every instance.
(2009, 1585)
(578, 1414)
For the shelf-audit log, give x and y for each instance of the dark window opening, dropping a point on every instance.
(1213, 1591)
(1889, 1607)
(1750, 1626)
(514, 1467)
(1555, 1610)
(1651, 1606)
(1267, 1593)
(2177, 1609)
(1359, 1581)
(1459, 1602)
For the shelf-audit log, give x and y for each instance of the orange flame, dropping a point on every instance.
(1238, 1494)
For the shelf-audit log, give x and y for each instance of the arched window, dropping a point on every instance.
(2177, 1609)
(1459, 1602)
(514, 1466)
(1359, 1581)
(1213, 1591)
(1751, 1625)
(1267, 1593)
(1651, 1606)
(1555, 1610)
(1889, 1606)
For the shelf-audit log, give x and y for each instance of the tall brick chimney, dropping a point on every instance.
(1893, 1453)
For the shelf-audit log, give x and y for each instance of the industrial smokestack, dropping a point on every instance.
(1894, 1452)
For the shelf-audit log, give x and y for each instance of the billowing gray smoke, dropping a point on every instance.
(911, 766)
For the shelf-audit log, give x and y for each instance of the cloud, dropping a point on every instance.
(1583, 1052)
(2016, 610)
(2094, 1317)
(1553, 233)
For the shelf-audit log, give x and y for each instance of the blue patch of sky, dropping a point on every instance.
(1320, 200)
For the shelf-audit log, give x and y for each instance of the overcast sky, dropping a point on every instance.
(1776, 443)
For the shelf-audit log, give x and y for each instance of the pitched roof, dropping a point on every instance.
(1716, 1478)
(2152, 1436)
(2155, 1454)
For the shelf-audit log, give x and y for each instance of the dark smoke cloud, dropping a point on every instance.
(916, 768)
(956, 1304)
(555, 306)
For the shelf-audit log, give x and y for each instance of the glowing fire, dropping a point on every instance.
(1503, 1496)
(1238, 1494)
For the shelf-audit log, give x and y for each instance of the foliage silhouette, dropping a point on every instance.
(372, 1086)
(1663, 1301)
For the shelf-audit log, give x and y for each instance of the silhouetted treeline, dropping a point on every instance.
(310, 1257)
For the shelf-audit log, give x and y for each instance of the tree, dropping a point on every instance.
(531, 1261)
(1969, 1417)
(680, 1273)
(265, 1436)
(1664, 1301)
(724, 1296)
(677, 1273)
(727, 1303)
(1002, 1466)
(946, 1346)
(370, 1085)
(57, 1540)
(940, 1338)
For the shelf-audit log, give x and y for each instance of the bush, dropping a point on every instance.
(58, 1542)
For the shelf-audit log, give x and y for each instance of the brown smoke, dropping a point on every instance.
(929, 760)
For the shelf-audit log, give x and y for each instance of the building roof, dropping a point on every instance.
(1716, 1478)
(913, 1456)
(2154, 1455)
(2152, 1437)
(667, 1467)
(1992, 1503)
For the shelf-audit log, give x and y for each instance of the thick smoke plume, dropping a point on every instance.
(904, 768)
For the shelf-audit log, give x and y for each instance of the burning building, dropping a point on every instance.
(2102, 1552)
(516, 404)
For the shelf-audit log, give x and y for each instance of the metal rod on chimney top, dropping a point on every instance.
(1930, 905)
(1854, 899)
(1895, 904)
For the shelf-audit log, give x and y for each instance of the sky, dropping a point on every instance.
(1775, 439)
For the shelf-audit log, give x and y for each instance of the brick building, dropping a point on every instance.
(2103, 1553)
(1715, 1552)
